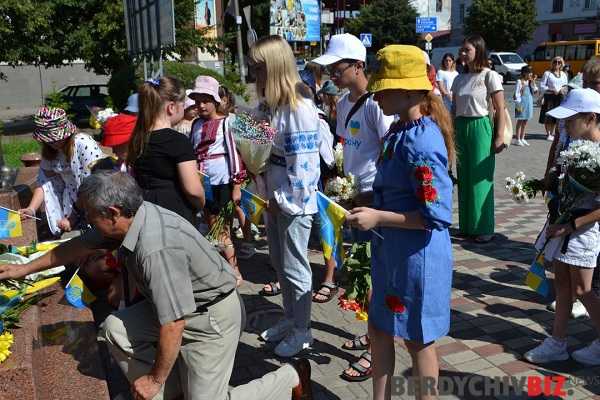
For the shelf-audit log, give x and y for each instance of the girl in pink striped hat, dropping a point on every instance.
(66, 159)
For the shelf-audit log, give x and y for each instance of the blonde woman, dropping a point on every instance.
(292, 180)
(551, 86)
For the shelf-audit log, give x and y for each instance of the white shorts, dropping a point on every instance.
(582, 250)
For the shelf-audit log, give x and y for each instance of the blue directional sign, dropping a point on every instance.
(426, 24)
(366, 39)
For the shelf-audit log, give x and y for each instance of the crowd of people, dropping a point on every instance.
(404, 128)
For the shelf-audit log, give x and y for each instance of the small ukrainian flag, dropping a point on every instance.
(253, 206)
(536, 277)
(77, 294)
(10, 224)
(332, 217)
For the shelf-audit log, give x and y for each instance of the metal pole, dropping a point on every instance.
(145, 68)
(41, 84)
(240, 47)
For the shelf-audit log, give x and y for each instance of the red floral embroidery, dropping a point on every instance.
(423, 173)
(427, 194)
(394, 304)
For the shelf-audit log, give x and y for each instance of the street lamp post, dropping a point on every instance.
(240, 47)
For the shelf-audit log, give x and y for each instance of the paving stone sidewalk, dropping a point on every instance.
(495, 316)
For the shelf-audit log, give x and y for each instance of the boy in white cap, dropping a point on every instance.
(361, 125)
(573, 247)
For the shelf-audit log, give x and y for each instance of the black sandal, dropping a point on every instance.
(364, 373)
(358, 344)
(333, 289)
(275, 290)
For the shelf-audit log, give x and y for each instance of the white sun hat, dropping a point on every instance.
(577, 101)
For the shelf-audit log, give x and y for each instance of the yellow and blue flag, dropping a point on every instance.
(10, 224)
(208, 194)
(536, 277)
(332, 217)
(77, 294)
(253, 206)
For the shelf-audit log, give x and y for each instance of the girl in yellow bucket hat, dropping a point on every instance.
(412, 264)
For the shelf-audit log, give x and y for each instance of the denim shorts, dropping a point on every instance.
(581, 250)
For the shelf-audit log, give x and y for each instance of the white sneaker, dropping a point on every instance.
(550, 138)
(578, 310)
(519, 143)
(525, 142)
(589, 355)
(550, 350)
(245, 251)
(514, 141)
(294, 343)
(278, 331)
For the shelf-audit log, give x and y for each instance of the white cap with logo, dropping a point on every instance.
(340, 47)
(577, 101)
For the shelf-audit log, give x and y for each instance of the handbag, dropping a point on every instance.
(508, 128)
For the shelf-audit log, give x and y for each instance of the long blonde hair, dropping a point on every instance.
(282, 79)
(152, 97)
(432, 105)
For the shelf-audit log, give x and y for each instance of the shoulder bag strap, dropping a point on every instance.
(361, 100)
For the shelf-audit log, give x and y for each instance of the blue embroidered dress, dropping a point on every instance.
(412, 269)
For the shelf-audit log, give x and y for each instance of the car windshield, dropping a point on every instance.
(511, 59)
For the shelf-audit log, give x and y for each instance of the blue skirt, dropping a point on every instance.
(411, 274)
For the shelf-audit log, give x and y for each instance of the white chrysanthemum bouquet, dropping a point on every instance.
(523, 190)
(580, 165)
(342, 189)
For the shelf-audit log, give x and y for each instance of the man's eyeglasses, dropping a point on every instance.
(337, 72)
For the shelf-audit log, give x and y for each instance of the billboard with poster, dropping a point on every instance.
(206, 16)
(296, 20)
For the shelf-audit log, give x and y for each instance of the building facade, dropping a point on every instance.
(557, 20)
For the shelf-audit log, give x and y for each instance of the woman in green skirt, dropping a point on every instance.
(476, 141)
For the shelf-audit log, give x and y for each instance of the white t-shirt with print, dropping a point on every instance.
(362, 138)
(471, 90)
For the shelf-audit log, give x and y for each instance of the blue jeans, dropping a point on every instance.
(288, 246)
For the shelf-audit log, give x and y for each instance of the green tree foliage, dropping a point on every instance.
(390, 22)
(52, 31)
(504, 24)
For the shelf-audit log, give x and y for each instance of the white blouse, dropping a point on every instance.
(551, 83)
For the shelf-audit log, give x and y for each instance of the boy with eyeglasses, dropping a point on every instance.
(361, 125)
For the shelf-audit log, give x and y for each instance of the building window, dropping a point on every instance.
(439, 5)
(588, 4)
(461, 13)
(557, 6)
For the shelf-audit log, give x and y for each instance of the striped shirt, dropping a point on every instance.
(172, 264)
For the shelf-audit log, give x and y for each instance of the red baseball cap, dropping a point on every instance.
(117, 130)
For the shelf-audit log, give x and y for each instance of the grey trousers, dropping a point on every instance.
(205, 362)
(288, 246)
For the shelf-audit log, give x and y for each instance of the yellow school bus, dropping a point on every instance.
(574, 52)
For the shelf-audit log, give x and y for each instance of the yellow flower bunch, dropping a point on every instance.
(6, 340)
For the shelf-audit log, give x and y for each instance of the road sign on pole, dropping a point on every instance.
(428, 46)
(426, 24)
(366, 39)
(428, 37)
